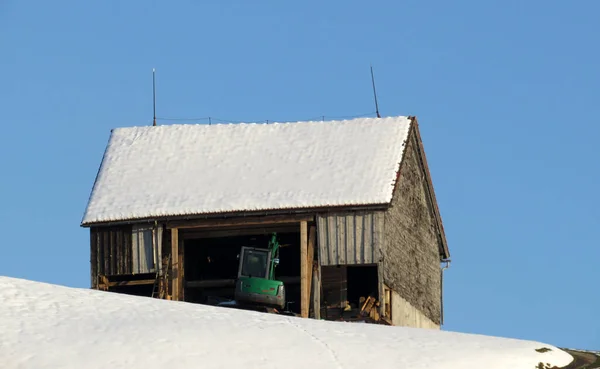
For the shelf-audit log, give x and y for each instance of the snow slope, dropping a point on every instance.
(186, 169)
(47, 326)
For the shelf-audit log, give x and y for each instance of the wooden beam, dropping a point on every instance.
(312, 235)
(175, 264)
(181, 271)
(242, 221)
(236, 231)
(304, 295)
(229, 283)
(131, 283)
(316, 288)
(381, 285)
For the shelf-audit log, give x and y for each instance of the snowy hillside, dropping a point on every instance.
(47, 326)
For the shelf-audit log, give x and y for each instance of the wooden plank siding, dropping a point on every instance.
(110, 251)
(105, 245)
(93, 258)
(304, 270)
(100, 252)
(113, 252)
(350, 238)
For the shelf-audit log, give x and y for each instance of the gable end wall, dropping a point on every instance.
(412, 260)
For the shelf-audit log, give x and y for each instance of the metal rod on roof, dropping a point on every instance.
(154, 95)
(375, 93)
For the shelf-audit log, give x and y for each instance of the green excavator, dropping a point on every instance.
(256, 284)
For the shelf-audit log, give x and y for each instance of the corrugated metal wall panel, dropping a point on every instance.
(350, 238)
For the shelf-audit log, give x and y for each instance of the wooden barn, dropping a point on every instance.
(351, 202)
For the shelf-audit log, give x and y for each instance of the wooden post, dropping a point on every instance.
(380, 280)
(316, 288)
(175, 264)
(181, 272)
(304, 289)
(312, 233)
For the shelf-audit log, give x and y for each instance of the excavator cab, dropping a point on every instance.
(256, 284)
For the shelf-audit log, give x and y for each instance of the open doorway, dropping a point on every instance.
(346, 288)
(211, 264)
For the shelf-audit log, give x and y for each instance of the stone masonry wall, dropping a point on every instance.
(412, 261)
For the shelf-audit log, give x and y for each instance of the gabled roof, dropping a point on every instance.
(185, 170)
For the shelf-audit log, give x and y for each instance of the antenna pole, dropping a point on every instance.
(154, 95)
(375, 93)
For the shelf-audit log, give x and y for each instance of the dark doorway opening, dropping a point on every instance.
(363, 281)
(211, 265)
(345, 288)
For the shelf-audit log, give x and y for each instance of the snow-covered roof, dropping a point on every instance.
(47, 326)
(182, 170)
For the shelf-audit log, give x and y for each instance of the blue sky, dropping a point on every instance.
(506, 93)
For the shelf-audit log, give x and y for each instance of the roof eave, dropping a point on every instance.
(239, 214)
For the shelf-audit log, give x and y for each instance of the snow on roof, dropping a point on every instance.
(177, 170)
(46, 326)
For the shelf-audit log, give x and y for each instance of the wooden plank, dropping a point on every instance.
(304, 269)
(131, 283)
(241, 221)
(175, 264)
(120, 252)
(93, 259)
(317, 291)
(367, 306)
(181, 270)
(312, 238)
(381, 283)
(378, 244)
(105, 239)
(103, 284)
(350, 240)
(368, 238)
(127, 263)
(159, 243)
(341, 239)
(333, 283)
(332, 240)
(322, 234)
(113, 252)
(109, 254)
(358, 237)
(99, 257)
(196, 233)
